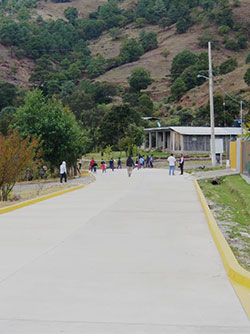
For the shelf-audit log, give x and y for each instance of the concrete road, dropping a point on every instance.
(120, 256)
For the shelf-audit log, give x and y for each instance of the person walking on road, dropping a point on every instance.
(172, 161)
(103, 166)
(63, 172)
(112, 164)
(181, 164)
(91, 165)
(119, 164)
(130, 165)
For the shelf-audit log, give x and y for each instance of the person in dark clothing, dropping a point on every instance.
(130, 165)
(119, 164)
(112, 164)
(181, 164)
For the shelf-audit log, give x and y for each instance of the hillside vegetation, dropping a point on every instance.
(111, 62)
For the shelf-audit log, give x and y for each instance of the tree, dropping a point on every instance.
(115, 124)
(178, 88)
(140, 79)
(247, 77)
(148, 40)
(97, 66)
(183, 24)
(71, 13)
(6, 118)
(133, 137)
(8, 94)
(182, 61)
(146, 105)
(55, 125)
(16, 155)
(131, 50)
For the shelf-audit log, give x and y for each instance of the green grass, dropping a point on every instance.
(231, 206)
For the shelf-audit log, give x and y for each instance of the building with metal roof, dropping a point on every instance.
(188, 139)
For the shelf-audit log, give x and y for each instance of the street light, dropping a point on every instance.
(211, 99)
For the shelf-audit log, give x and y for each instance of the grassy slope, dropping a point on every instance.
(49, 10)
(154, 61)
(230, 203)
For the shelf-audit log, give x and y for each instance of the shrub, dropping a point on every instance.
(140, 79)
(228, 66)
(178, 88)
(140, 22)
(248, 58)
(205, 38)
(165, 53)
(232, 45)
(148, 40)
(223, 30)
(131, 50)
(115, 33)
(182, 61)
(182, 25)
(242, 42)
(247, 77)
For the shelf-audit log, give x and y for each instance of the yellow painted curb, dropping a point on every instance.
(239, 277)
(38, 199)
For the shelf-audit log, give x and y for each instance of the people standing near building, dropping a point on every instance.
(119, 164)
(171, 161)
(103, 166)
(112, 164)
(151, 161)
(181, 163)
(130, 165)
(63, 172)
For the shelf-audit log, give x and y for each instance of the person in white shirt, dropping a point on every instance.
(171, 161)
(63, 172)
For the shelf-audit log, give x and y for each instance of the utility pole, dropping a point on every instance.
(211, 99)
(241, 116)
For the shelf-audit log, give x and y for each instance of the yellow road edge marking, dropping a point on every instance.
(38, 199)
(239, 277)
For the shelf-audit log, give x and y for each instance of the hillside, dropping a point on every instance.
(50, 64)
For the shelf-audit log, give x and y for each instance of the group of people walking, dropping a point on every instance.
(140, 162)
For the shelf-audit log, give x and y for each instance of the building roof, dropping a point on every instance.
(187, 130)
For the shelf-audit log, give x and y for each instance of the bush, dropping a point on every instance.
(232, 45)
(182, 61)
(97, 66)
(223, 30)
(140, 79)
(115, 33)
(131, 50)
(140, 22)
(178, 88)
(205, 38)
(165, 53)
(182, 25)
(228, 66)
(148, 40)
(247, 77)
(248, 58)
(242, 42)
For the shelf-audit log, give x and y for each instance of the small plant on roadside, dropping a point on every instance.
(16, 155)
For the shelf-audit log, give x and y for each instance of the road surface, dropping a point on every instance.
(119, 256)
